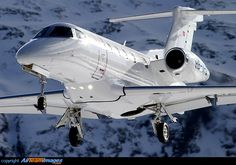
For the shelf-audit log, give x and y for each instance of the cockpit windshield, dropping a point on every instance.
(55, 31)
(42, 33)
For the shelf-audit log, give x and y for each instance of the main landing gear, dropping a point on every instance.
(72, 116)
(161, 129)
(42, 102)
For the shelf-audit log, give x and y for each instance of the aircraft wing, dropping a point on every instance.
(24, 104)
(178, 99)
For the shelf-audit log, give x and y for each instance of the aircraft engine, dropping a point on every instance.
(175, 58)
(185, 66)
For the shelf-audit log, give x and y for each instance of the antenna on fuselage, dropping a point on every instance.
(124, 43)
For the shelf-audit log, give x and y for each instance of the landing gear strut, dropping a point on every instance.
(42, 102)
(72, 116)
(161, 129)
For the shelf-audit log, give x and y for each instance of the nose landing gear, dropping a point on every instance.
(42, 101)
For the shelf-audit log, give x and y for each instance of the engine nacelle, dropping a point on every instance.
(185, 66)
(175, 58)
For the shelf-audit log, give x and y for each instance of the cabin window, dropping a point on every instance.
(135, 61)
(103, 42)
(109, 46)
(131, 57)
(124, 54)
(117, 51)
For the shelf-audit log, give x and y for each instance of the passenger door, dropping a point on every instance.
(101, 65)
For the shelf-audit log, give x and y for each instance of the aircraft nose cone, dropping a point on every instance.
(24, 53)
(20, 55)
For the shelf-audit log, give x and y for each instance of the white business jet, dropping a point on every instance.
(104, 78)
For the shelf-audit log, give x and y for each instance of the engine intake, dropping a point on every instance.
(175, 58)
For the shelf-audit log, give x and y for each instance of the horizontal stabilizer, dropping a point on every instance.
(143, 17)
(170, 14)
(209, 12)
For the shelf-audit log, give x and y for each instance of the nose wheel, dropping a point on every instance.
(41, 103)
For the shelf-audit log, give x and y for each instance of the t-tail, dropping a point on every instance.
(179, 59)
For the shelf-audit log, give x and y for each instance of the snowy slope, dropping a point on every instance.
(199, 133)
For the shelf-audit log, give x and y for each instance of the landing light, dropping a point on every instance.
(90, 87)
(81, 87)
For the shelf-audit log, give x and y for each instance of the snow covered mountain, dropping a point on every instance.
(204, 132)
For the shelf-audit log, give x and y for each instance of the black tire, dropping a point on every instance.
(162, 132)
(74, 137)
(42, 104)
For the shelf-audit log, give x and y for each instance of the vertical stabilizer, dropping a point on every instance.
(183, 27)
(185, 21)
